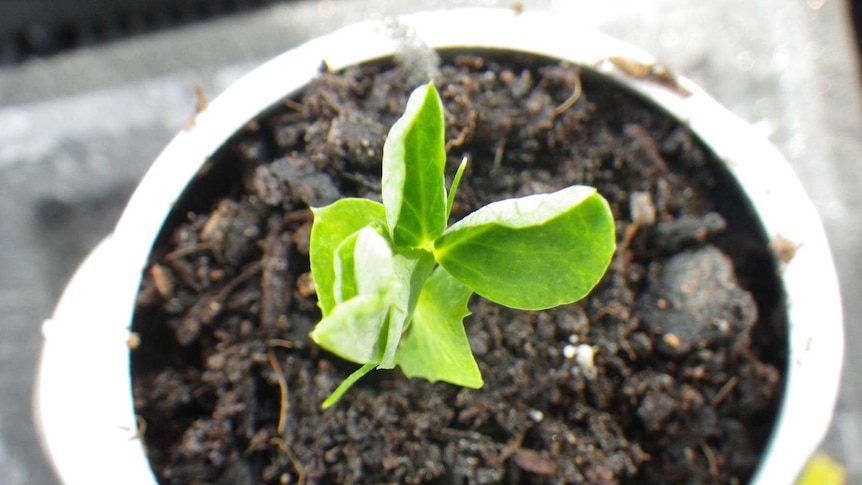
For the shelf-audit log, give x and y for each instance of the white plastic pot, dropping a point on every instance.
(84, 402)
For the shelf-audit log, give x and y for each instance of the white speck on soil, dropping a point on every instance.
(585, 355)
(535, 415)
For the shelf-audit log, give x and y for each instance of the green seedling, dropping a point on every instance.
(393, 281)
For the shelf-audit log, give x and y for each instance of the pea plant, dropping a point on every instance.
(393, 281)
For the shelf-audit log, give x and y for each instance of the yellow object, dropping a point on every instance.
(822, 470)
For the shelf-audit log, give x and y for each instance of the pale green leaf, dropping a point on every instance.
(332, 225)
(534, 252)
(373, 262)
(365, 283)
(436, 347)
(345, 286)
(414, 157)
(364, 264)
(353, 330)
(411, 270)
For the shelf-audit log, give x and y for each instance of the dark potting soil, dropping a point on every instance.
(670, 372)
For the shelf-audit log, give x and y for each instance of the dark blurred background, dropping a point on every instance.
(39, 28)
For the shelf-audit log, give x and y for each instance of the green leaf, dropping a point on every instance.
(364, 285)
(332, 225)
(373, 262)
(436, 345)
(345, 285)
(414, 157)
(411, 271)
(534, 252)
(454, 188)
(353, 329)
(346, 384)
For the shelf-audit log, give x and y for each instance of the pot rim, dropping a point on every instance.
(86, 354)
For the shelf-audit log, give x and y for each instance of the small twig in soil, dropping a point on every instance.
(615, 310)
(285, 344)
(182, 252)
(283, 391)
(297, 466)
(331, 101)
(710, 460)
(576, 94)
(533, 462)
(462, 137)
(643, 215)
(623, 338)
(362, 181)
(209, 306)
(498, 155)
(646, 142)
(466, 132)
(257, 443)
(163, 280)
(241, 278)
(496, 334)
(629, 235)
(724, 391)
(201, 389)
(186, 273)
(512, 446)
(301, 215)
(625, 256)
(299, 107)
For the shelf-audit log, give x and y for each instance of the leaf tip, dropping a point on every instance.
(329, 402)
(479, 383)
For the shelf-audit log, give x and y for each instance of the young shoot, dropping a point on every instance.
(393, 281)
